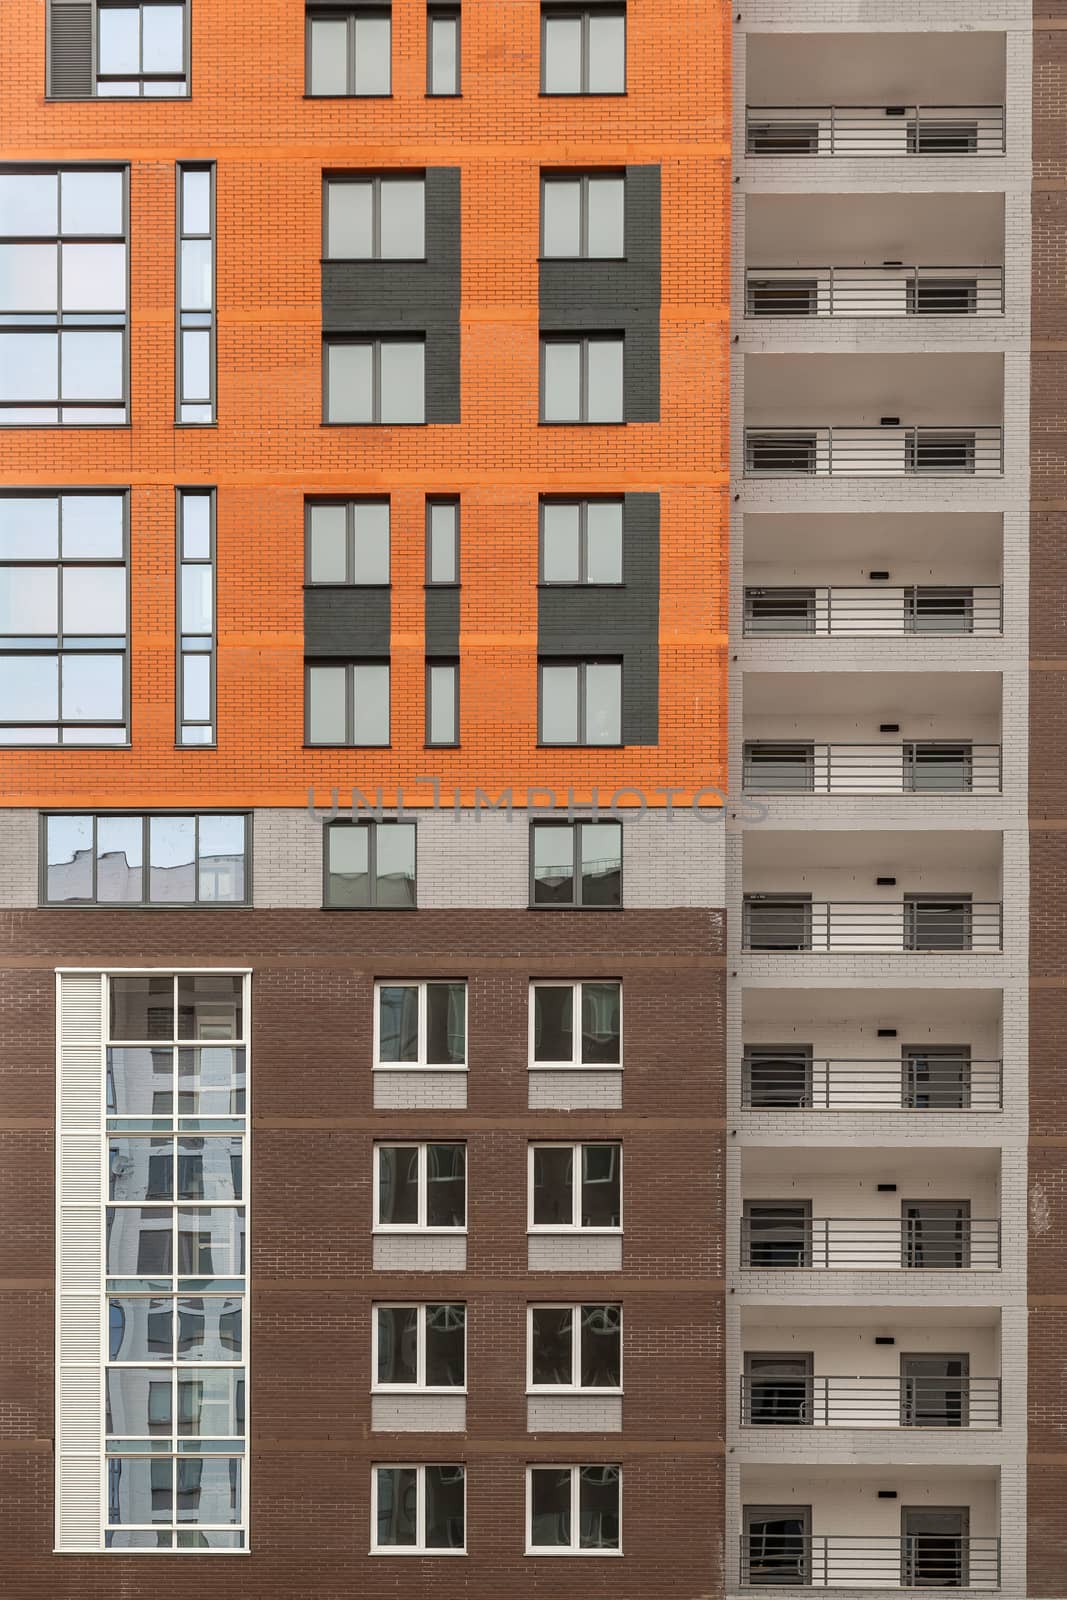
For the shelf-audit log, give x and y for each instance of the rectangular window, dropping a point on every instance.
(348, 703)
(575, 1348)
(347, 542)
(582, 378)
(442, 541)
(349, 52)
(195, 698)
(442, 702)
(420, 1188)
(583, 49)
(199, 860)
(64, 624)
(375, 380)
(581, 541)
(556, 1040)
(195, 387)
(442, 50)
(583, 214)
(140, 49)
(574, 1511)
(421, 1025)
(419, 1347)
(575, 1186)
(63, 296)
(418, 1511)
(370, 865)
(576, 864)
(379, 218)
(580, 702)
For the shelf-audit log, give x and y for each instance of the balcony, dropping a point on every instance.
(931, 924)
(777, 1392)
(881, 130)
(919, 1078)
(918, 767)
(776, 1553)
(936, 1235)
(891, 290)
(890, 450)
(885, 611)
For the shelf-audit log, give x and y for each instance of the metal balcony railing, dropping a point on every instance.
(891, 290)
(846, 1561)
(786, 1240)
(884, 1402)
(889, 450)
(932, 925)
(917, 766)
(886, 131)
(876, 611)
(783, 1080)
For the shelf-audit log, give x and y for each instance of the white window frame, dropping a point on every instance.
(420, 1547)
(421, 1065)
(420, 1386)
(576, 986)
(576, 1348)
(574, 1548)
(421, 1226)
(575, 1225)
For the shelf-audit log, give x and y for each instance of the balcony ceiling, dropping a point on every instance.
(872, 854)
(857, 230)
(881, 540)
(903, 1009)
(875, 696)
(875, 69)
(857, 390)
(915, 1166)
(878, 1319)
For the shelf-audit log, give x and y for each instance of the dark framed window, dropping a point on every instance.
(349, 52)
(576, 864)
(374, 380)
(443, 49)
(442, 542)
(776, 1547)
(442, 702)
(582, 377)
(195, 697)
(63, 296)
(196, 357)
(583, 214)
(118, 49)
(379, 217)
(370, 865)
(64, 618)
(347, 702)
(580, 702)
(197, 859)
(583, 49)
(347, 542)
(581, 541)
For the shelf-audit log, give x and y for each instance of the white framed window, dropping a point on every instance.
(574, 1349)
(420, 1188)
(420, 1025)
(419, 1347)
(575, 1187)
(576, 1024)
(419, 1510)
(574, 1511)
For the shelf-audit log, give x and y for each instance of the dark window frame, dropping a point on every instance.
(349, 502)
(453, 663)
(432, 502)
(373, 180)
(349, 14)
(193, 491)
(581, 663)
(190, 321)
(374, 341)
(583, 341)
(349, 742)
(444, 13)
(144, 904)
(577, 903)
(551, 10)
(96, 6)
(583, 502)
(371, 825)
(556, 175)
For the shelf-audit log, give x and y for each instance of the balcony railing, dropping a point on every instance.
(891, 290)
(918, 766)
(784, 1080)
(943, 1240)
(884, 1402)
(875, 611)
(887, 451)
(886, 131)
(932, 925)
(855, 1561)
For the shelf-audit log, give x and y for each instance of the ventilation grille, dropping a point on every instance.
(71, 50)
(79, 1247)
(79, 1520)
(79, 1168)
(79, 1327)
(79, 1410)
(81, 1057)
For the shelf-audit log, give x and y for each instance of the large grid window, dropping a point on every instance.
(421, 1025)
(370, 866)
(583, 214)
(142, 49)
(380, 218)
(581, 541)
(576, 1024)
(418, 1510)
(64, 624)
(419, 1347)
(573, 1349)
(583, 49)
(580, 702)
(582, 378)
(347, 542)
(195, 701)
(575, 1187)
(574, 1510)
(199, 860)
(175, 1263)
(420, 1188)
(576, 864)
(348, 703)
(196, 294)
(349, 52)
(375, 380)
(63, 296)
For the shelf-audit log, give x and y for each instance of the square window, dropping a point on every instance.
(582, 541)
(370, 865)
(582, 378)
(375, 380)
(583, 49)
(348, 703)
(349, 52)
(575, 1348)
(376, 218)
(575, 1187)
(420, 1187)
(576, 864)
(348, 542)
(421, 1024)
(574, 1510)
(583, 215)
(576, 1024)
(140, 49)
(418, 1510)
(419, 1347)
(580, 702)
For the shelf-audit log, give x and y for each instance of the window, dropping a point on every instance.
(418, 1510)
(574, 1348)
(554, 1039)
(581, 541)
(580, 702)
(196, 294)
(200, 860)
(575, 1186)
(421, 1025)
(376, 219)
(195, 700)
(370, 864)
(574, 1511)
(442, 541)
(419, 1347)
(778, 1391)
(375, 380)
(442, 50)
(442, 702)
(420, 1187)
(582, 378)
(776, 1547)
(576, 864)
(776, 1233)
(348, 703)
(64, 629)
(583, 49)
(63, 302)
(347, 542)
(141, 49)
(583, 214)
(349, 52)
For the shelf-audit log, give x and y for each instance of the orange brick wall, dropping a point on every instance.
(249, 114)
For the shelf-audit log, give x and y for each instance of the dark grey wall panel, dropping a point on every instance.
(348, 622)
(442, 622)
(624, 622)
(603, 296)
(410, 296)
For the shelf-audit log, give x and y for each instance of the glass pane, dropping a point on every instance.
(135, 1538)
(559, 705)
(119, 40)
(398, 1022)
(326, 705)
(349, 871)
(94, 277)
(607, 54)
(211, 1080)
(562, 379)
(222, 857)
(562, 199)
(196, 286)
(397, 1508)
(562, 71)
(139, 1242)
(29, 366)
(196, 364)
(398, 1185)
(445, 1346)
(603, 541)
(550, 1507)
(94, 600)
(396, 864)
(140, 1490)
(92, 525)
(553, 1186)
(446, 1024)
(91, 366)
(172, 870)
(196, 201)
(370, 695)
(601, 1199)
(29, 600)
(350, 220)
(559, 559)
(210, 1329)
(197, 599)
(211, 1241)
(600, 1024)
(598, 1508)
(211, 1404)
(442, 690)
(209, 1489)
(29, 527)
(446, 1185)
(350, 379)
(398, 1337)
(403, 382)
(553, 1022)
(92, 687)
(70, 858)
(603, 702)
(163, 46)
(403, 218)
(209, 1007)
(210, 1169)
(138, 1402)
(552, 1350)
(444, 566)
(372, 542)
(605, 380)
(140, 1169)
(606, 217)
(601, 863)
(372, 55)
(29, 203)
(29, 688)
(140, 1329)
(29, 277)
(142, 1009)
(444, 1508)
(329, 56)
(601, 1347)
(328, 544)
(119, 863)
(196, 688)
(91, 202)
(140, 1079)
(444, 55)
(553, 866)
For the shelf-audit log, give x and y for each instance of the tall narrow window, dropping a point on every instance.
(442, 50)
(442, 542)
(195, 697)
(196, 294)
(442, 702)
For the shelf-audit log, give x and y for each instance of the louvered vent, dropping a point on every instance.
(78, 1495)
(70, 36)
(81, 1061)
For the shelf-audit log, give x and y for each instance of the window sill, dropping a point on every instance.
(58, 749)
(380, 94)
(443, 94)
(413, 1390)
(569, 260)
(533, 1550)
(327, 660)
(373, 261)
(564, 1391)
(422, 423)
(548, 422)
(419, 1233)
(533, 906)
(574, 1066)
(197, 427)
(413, 1066)
(415, 1551)
(452, 585)
(582, 94)
(574, 1233)
(358, 909)
(133, 905)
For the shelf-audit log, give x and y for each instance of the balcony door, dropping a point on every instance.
(781, 922)
(776, 1549)
(935, 923)
(934, 1391)
(934, 1546)
(778, 1391)
(936, 1077)
(776, 1233)
(777, 611)
(936, 1234)
(778, 1076)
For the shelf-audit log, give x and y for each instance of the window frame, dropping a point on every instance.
(420, 1547)
(582, 664)
(577, 903)
(420, 1386)
(372, 863)
(144, 904)
(582, 179)
(349, 664)
(142, 77)
(373, 180)
(438, 662)
(582, 13)
(444, 13)
(576, 986)
(181, 722)
(574, 1548)
(583, 341)
(576, 1309)
(375, 342)
(583, 503)
(421, 1228)
(434, 502)
(349, 14)
(576, 1147)
(350, 504)
(421, 1065)
(209, 318)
